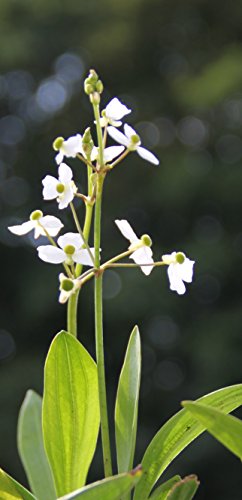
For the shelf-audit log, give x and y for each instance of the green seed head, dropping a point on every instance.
(180, 257)
(36, 215)
(60, 188)
(58, 143)
(69, 249)
(67, 285)
(146, 240)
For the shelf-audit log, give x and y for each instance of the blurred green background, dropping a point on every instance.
(178, 65)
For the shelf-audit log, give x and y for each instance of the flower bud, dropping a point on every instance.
(146, 240)
(180, 257)
(58, 143)
(36, 215)
(99, 86)
(87, 142)
(95, 98)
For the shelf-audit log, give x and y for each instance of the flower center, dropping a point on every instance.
(58, 143)
(69, 249)
(60, 188)
(146, 240)
(180, 257)
(36, 215)
(67, 285)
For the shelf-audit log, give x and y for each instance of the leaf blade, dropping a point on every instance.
(70, 411)
(31, 448)
(111, 488)
(126, 408)
(162, 491)
(184, 489)
(225, 428)
(12, 490)
(176, 434)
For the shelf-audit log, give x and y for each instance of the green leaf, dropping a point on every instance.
(12, 490)
(225, 428)
(70, 412)
(31, 448)
(111, 488)
(184, 489)
(176, 434)
(162, 491)
(126, 409)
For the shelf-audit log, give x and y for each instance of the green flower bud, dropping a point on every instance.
(99, 86)
(36, 215)
(180, 257)
(87, 142)
(67, 285)
(95, 98)
(146, 240)
(69, 249)
(60, 188)
(88, 88)
(58, 143)
(92, 77)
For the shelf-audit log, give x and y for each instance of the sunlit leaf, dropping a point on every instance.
(12, 490)
(112, 488)
(185, 489)
(31, 448)
(225, 428)
(126, 409)
(176, 434)
(162, 491)
(70, 412)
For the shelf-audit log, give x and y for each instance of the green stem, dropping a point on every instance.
(79, 229)
(72, 314)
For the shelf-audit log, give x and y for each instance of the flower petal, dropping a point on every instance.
(65, 173)
(74, 239)
(118, 136)
(66, 197)
(185, 270)
(126, 230)
(82, 257)
(49, 253)
(176, 283)
(116, 110)
(59, 158)
(129, 131)
(143, 256)
(111, 152)
(147, 155)
(72, 146)
(52, 224)
(21, 229)
(49, 191)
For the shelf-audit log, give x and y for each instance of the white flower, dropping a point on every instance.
(69, 147)
(63, 189)
(112, 152)
(67, 287)
(113, 113)
(180, 269)
(70, 251)
(39, 223)
(142, 253)
(131, 141)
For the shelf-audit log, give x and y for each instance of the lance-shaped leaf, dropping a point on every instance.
(12, 490)
(177, 433)
(185, 489)
(112, 488)
(162, 491)
(126, 409)
(70, 412)
(31, 448)
(225, 428)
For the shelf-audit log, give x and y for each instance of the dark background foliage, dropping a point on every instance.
(177, 64)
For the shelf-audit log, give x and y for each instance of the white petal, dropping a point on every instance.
(169, 258)
(115, 123)
(72, 146)
(94, 153)
(59, 157)
(66, 197)
(147, 155)
(116, 110)
(21, 229)
(49, 191)
(185, 270)
(118, 136)
(176, 283)
(65, 173)
(143, 256)
(111, 152)
(83, 257)
(126, 230)
(129, 131)
(74, 239)
(52, 224)
(49, 253)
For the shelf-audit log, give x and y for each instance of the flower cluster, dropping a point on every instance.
(72, 249)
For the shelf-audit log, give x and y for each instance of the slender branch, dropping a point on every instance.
(75, 217)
